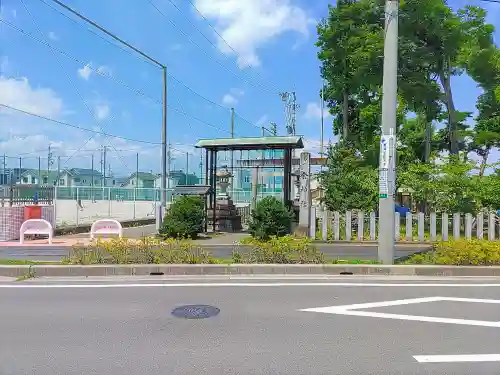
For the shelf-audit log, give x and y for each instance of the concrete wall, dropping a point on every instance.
(68, 212)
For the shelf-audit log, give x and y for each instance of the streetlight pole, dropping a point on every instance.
(387, 162)
(164, 114)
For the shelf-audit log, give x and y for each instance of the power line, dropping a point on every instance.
(138, 92)
(77, 126)
(97, 34)
(197, 45)
(275, 88)
(76, 90)
(79, 61)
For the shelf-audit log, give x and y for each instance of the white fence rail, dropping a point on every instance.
(360, 226)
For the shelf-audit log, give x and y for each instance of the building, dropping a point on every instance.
(178, 178)
(10, 176)
(65, 178)
(140, 180)
(80, 177)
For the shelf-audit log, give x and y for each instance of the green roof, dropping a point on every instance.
(251, 143)
(52, 175)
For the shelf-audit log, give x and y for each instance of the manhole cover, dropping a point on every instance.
(195, 311)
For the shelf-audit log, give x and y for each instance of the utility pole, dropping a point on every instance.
(39, 170)
(387, 162)
(201, 166)
(137, 167)
(274, 132)
(164, 108)
(187, 166)
(290, 101)
(4, 170)
(232, 153)
(104, 149)
(49, 162)
(322, 136)
(169, 161)
(92, 167)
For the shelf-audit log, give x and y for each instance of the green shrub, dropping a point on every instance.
(285, 249)
(270, 218)
(145, 251)
(184, 218)
(460, 253)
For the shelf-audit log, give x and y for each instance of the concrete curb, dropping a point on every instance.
(243, 269)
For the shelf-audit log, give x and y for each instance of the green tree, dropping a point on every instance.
(270, 218)
(349, 183)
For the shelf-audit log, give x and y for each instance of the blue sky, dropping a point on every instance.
(271, 50)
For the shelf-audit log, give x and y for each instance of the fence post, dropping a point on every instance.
(336, 226)
(421, 227)
(348, 228)
(361, 226)
(373, 226)
(324, 224)
(109, 201)
(77, 205)
(135, 198)
(456, 226)
(433, 231)
(397, 229)
(480, 225)
(468, 226)
(444, 226)
(491, 227)
(409, 226)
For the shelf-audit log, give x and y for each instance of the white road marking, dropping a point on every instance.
(353, 310)
(457, 358)
(29, 284)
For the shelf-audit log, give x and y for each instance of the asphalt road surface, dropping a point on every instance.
(278, 326)
(332, 251)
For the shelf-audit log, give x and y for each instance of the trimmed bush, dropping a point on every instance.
(285, 249)
(270, 218)
(184, 218)
(460, 253)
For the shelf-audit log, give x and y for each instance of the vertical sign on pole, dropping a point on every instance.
(305, 192)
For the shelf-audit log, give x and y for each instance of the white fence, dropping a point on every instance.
(353, 225)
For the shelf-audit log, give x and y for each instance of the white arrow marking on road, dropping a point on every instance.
(353, 310)
(457, 358)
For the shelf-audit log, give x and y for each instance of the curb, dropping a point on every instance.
(243, 269)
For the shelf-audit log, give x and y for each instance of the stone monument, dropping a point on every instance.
(226, 215)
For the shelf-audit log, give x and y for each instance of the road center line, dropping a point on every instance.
(28, 285)
(457, 358)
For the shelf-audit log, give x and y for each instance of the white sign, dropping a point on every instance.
(387, 173)
(106, 226)
(35, 226)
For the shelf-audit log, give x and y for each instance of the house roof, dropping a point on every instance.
(192, 190)
(52, 175)
(83, 172)
(145, 176)
(251, 143)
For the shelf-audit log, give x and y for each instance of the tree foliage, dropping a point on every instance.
(435, 44)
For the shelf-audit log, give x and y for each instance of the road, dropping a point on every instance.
(332, 251)
(126, 327)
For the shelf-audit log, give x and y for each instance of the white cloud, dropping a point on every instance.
(313, 111)
(248, 25)
(18, 93)
(52, 35)
(233, 97)
(228, 99)
(85, 72)
(102, 111)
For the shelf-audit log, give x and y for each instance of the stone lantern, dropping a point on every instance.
(223, 176)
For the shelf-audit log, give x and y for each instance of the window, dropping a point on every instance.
(247, 179)
(33, 180)
(45, 180)
(61, 182)
(114, 182)
(84, 181)
(25, 180)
